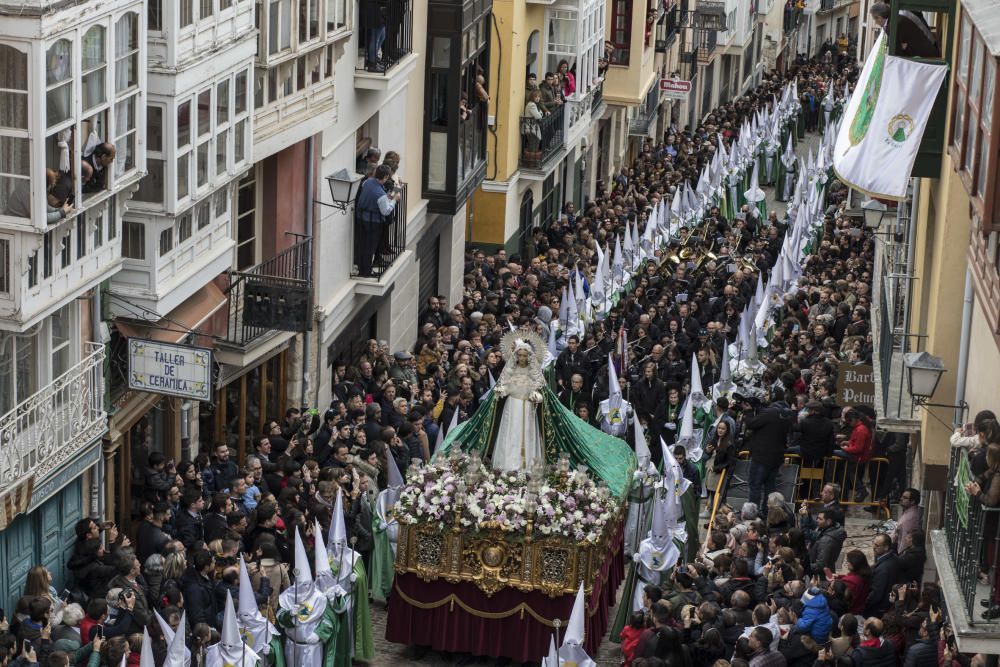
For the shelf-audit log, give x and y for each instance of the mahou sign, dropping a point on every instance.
(677, 89)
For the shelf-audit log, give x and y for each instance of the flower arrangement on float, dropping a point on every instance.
(460, 491)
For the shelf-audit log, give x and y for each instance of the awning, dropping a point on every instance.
(179, 322)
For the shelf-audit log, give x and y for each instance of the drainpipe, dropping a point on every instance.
(963, 347)
(911, 241)
(309, 230)
(97, 476)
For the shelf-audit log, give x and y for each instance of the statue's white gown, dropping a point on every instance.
(519, 439)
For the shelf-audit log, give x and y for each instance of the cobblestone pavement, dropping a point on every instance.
(394, 655)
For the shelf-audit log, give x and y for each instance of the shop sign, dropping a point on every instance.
(675, 89)
(855, 384)
(174, 370)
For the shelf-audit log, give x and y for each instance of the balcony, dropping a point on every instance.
(52, 426)
(705, 45)
(385, 43)
(970, 535)
(597, 104)
(667, 29)
(70, 258)
(579, 107)
(542, 138)
(891, 291)
(791, 20)
(830, 5)
(269, 298)
(375, 255)
(645, 117)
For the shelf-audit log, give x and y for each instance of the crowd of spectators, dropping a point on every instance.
(764, 584)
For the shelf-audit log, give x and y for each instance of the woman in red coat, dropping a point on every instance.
(858, 579)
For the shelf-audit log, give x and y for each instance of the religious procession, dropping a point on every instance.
(651, 436)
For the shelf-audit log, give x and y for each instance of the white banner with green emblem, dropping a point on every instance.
(884, 122)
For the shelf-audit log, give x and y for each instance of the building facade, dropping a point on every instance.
(74, 84)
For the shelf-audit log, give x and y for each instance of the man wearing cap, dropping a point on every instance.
(402, 369)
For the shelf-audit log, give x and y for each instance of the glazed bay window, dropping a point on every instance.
(308, 20)
(279, 29)
(15, 175)
(95, 67)
(204, 137)
(183, 149)
(621, 31)
(455, 135)
(290, 77)
(126, 91)
(133, 240)
(974, 142)
(152, 184)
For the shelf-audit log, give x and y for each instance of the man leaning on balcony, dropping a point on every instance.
(372, 209)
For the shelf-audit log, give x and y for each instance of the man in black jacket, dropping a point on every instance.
(814, 436)
(189, 523)
(826, 547)
(223, 468)
(886, 573)
(768, 436)
(199, 590)
(570, 361)
(150, 538)
(214, 524)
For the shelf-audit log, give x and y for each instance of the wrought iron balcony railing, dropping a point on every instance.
(273, 295)
(646, 113)
(385, 33)
(378, 246)
(972, 531)
(707, 40)
(541, 138)
(598, 98)
(54, 424)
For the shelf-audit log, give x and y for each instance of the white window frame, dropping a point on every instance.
(22, 134)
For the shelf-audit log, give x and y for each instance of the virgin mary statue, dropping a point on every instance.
(520, 422)
(519, 437)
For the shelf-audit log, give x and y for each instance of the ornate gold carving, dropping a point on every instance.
(492, 559)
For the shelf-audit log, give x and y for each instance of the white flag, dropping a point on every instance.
(884, 122)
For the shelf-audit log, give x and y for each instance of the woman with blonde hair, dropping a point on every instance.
(39, 584)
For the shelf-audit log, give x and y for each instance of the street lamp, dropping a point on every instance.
(923, 371)
(874, 210)
(344, 187)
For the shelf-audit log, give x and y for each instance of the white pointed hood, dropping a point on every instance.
(754, 194)
(325, 579)
(146, 652)
(230, 631)
(178, 654)
(257, 630)
(577, 620)
(697, 391)
(248, 603)
(339, 545)
(687, 423)
(642, 453)
(231, 651)
(614, 388)
(300, 568)
(552, 659)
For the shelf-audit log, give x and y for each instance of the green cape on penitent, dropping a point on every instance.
(608, 458)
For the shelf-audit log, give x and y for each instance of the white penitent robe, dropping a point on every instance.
(303, 646)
